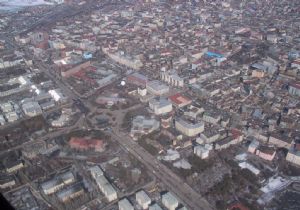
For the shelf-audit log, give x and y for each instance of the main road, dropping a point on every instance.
(182, 191)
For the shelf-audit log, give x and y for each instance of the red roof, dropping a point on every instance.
(295, 85)
(82, 143)
(238, 206)
(236, 133)
(179, 99)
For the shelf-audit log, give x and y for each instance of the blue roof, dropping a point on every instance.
(215, 55)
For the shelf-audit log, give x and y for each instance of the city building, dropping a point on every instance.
(31, 108)
(137, 79)
(155, 206)
(178, 100)
(71, 192)
(157, 88)
(172, 78)
(142, 125)
(170, 201)
(265, 152)
(293, 155)
(160, 106)
(124, 204)
(103, 184)
(189, 128)
(143, 199)
(201, 151)
(6, 182)
(87, 144)
(58, 182)
(13, 165)
(294, 89)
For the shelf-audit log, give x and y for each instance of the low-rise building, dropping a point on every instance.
(294, 89)
(137, 79)
(170, 201)
(103, 184)
(189, 128)
(6, 182)
(157, 88)
(178, 100)
(143, 199)
(172, 79)
(155, 207)
(201, 151)
(124, 204)
(160, 106)
(293, 155)
(253, 146)
(13, 165)
(71, 192)
(57, 183)
(265, 152)
(142, 125)
(31, 108)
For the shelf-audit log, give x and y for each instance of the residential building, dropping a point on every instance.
(143, 199)
(57, 183)
(124, 204)
(265, 152)
(142, 125)
(71, 192)
(106, 188)
(172, 78)
(293, 155)
(178, 100)
(201, 151)
(155, 207)
(294, 89)
(170, 201)
(189, 128)
(137, 79)
(160, 106)
(157, 88)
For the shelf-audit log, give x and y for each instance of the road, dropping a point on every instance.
(175, 184)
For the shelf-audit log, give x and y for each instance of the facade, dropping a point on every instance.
(201, 151)
(124, 204)
(172, 79)
(253, 146)
(142, 125)
(7, 182)
(157, 88)
(14, 166)
(155, 207)
(169, 201)
(32, 108)
(143, 199)
(188, 128)
(103, 184)
(265, 152)
(210, 135)
(137, 79)
(211, 117)
(227, 142)
(294, 89)
(57, 183)
(160, 106)
(280, 140)
(71, 192)
(293, 155)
